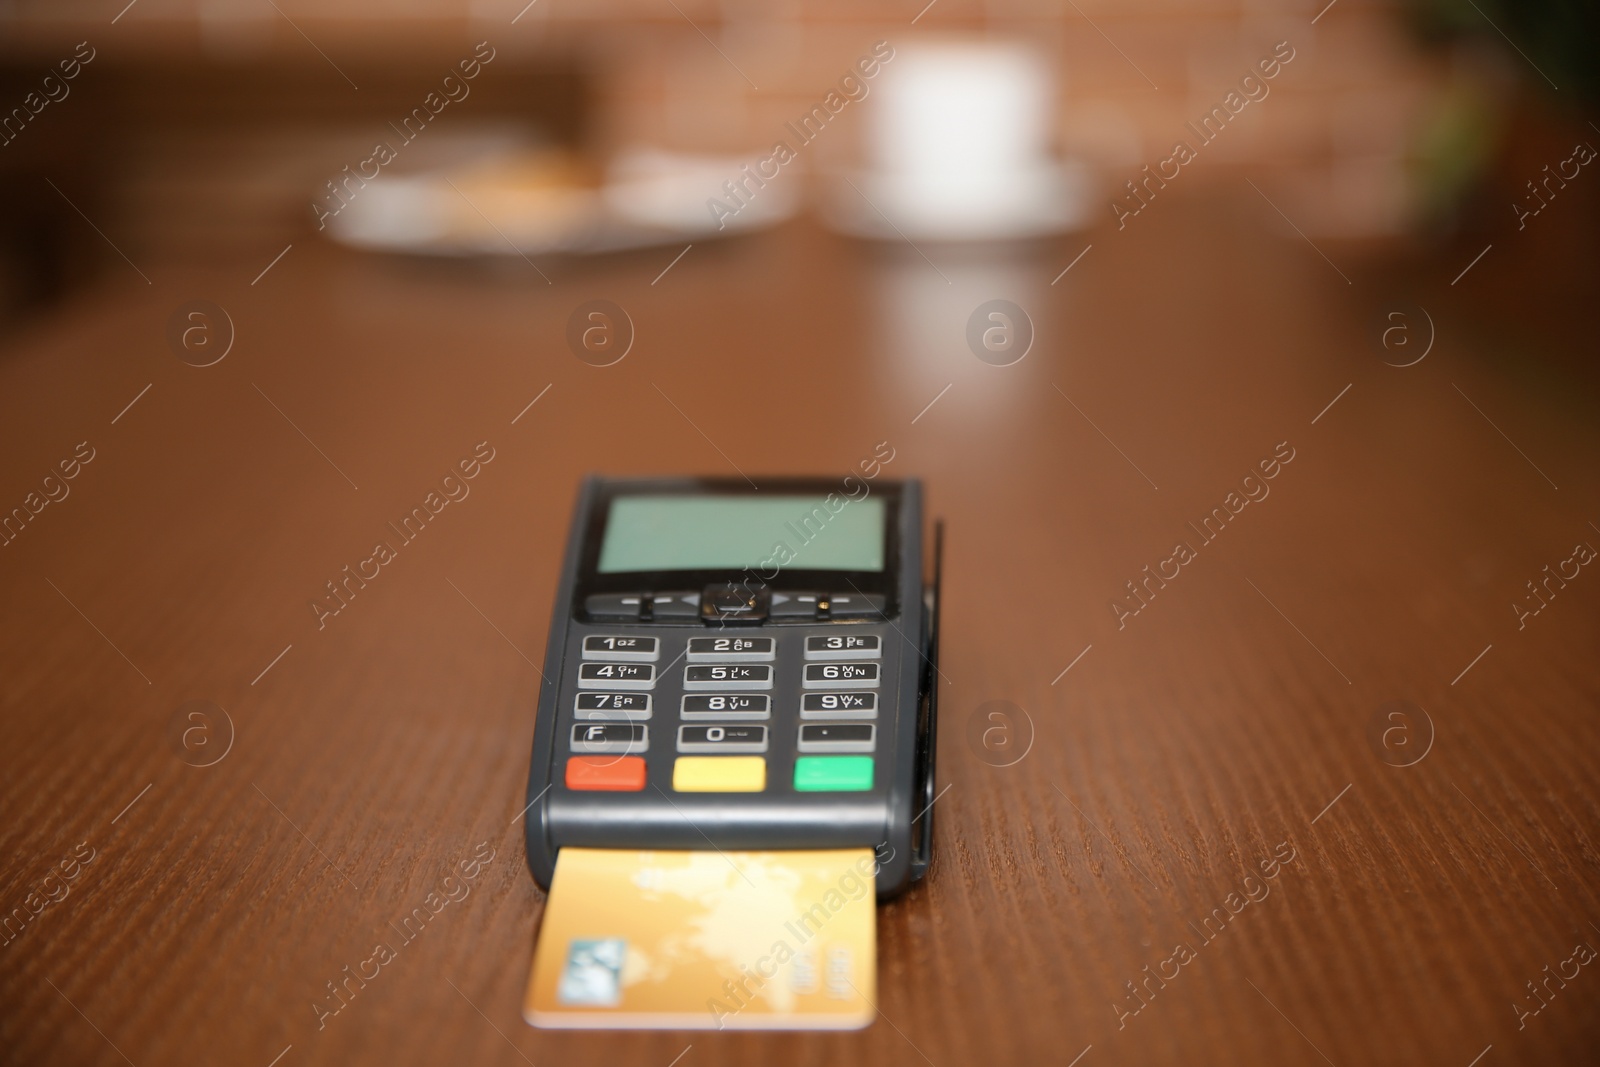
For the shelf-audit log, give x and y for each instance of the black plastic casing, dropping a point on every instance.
(894, 818)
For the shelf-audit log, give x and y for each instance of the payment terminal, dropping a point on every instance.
(734, 668)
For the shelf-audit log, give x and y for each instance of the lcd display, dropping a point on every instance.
(657, 532)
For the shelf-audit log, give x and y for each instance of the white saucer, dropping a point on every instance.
(1047, 198)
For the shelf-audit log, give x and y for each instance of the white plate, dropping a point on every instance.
(650, 198)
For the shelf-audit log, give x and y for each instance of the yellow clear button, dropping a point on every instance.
(719, 774)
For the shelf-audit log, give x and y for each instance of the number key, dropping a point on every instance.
(839, 706)
(619, 648)
(730, 649)
(731, 738)
(727, 706)
(731, 676)
(844, 646)
(841, 675)
(612, 706)
(616, 676)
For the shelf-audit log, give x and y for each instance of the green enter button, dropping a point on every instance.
(832, 774)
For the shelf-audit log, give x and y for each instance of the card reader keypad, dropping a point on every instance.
(739, 694)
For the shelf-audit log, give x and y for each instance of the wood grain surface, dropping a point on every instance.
(1099, 892)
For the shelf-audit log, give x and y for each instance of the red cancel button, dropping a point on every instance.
(622, 774)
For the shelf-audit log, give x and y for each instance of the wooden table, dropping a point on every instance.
(1429, 859)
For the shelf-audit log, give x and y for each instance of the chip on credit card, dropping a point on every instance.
(780, 940)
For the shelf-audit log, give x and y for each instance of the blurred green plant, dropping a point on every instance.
(1550, 42)
(1456, 147)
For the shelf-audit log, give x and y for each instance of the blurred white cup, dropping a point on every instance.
(958, 147)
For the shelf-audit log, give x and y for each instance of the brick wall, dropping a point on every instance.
(1332, 142)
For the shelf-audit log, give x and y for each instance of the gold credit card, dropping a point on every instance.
(707, 940)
